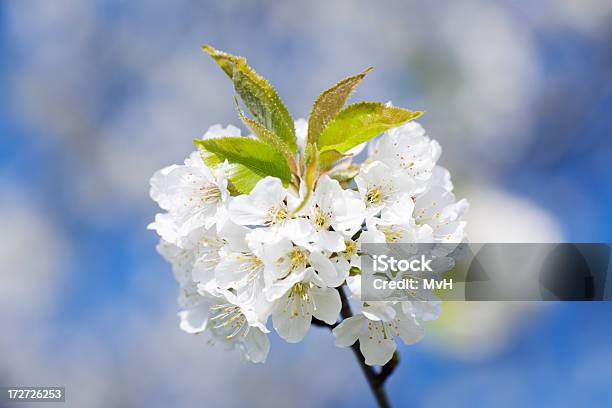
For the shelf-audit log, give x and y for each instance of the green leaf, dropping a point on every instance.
(360, 122)
(345, 173)
(311, 173)
(256, 159)
(329, 157)
(241, 179)
(354, 271)
(268, 137)
(258, 95)
(329, 103)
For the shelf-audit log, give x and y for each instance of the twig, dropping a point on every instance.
(388, 368)
(321, 323)
(376, 385)
(376, 381)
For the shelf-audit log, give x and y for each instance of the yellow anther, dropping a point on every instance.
(374, 196)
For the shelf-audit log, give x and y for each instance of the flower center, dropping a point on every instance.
(251, 266)
(299, 301)
(301, 289)
(374, 196)
(379, 330)
(321, 218)
(298, 259)
(392, 234)
(351, 248)
(407, 165)
(420, 215)
(228, 321)
(211, 194)
(280, 215)
(256, 262)
(277, 214)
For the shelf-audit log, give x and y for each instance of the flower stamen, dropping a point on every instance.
(211, 194)
(229, 321)
(374, 196)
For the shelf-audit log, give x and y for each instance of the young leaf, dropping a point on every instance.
(268, 137)
(329, 103)
(345, 173)
(241, 179)
(360, 122)
(311, 173)
(259, 158)
(328, 158)
(257, 94)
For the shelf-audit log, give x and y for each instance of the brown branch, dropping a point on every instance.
(376, 381)
(321, 323)
(377, 387)
(388, 368)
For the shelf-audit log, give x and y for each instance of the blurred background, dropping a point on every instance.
(97, 95)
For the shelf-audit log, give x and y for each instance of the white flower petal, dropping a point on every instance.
(234, 268)
(342, 266)
(354, 284)
(351, 218)
(291, 323)
(331, 241)
(234, 235)
(326, 270)
(441, 177)
(327, 304)
(372, 236)
(327, 191)
(376, 352)
(164, 184)
(427, 310)
(348, 331)
(410, 331)
(243, 211)
(194, 320)
(280, 287)
(297, 230)
(379, 311)
(256, 346)
(268, 191)
(165, 226)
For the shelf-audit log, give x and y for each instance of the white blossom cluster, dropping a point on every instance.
(240, 260)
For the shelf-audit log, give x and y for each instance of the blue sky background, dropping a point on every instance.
(96, 95)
